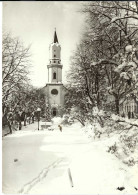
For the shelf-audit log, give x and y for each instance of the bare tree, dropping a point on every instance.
(15, 66)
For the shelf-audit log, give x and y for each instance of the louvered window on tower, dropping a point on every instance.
(54, 75)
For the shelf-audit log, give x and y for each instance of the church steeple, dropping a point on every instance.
(55, 37)
(55, 91)
(54, 66)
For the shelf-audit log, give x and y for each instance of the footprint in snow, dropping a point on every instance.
(15, 160)
(120, 188)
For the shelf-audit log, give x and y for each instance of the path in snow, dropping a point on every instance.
(24, 146)
(68, 145)
(44, 158)
(93, 170)
(36, 152)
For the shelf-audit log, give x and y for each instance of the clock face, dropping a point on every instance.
(54, 91)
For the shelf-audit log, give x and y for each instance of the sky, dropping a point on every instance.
(34, 23)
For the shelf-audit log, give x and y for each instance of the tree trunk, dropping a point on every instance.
(10, 127)
(117, 105)
(32, 119)
(20, 125)
(24, 122)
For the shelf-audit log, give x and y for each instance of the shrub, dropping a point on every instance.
(113, 148)
(130, 161)
(129, 142)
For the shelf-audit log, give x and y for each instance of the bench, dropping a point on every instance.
(45, 125)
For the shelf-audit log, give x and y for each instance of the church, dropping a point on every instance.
(54, 89)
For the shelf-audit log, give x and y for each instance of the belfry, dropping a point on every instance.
(54, 89)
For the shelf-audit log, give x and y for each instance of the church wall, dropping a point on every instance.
(62, 97)
(57, 99)
(59, 75)
(58, 72)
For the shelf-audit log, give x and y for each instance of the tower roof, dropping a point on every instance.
(55, 37)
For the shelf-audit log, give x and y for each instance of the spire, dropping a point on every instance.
(55, 37)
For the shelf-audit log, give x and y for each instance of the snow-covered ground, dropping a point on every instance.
(68, 162)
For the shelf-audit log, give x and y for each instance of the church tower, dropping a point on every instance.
(54, 88)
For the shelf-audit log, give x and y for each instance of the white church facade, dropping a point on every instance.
(54, 88)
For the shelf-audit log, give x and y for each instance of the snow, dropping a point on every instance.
(93, 63)
(45, 123)
(44, 159)
(124, 75)
(132, 64)
(127, 120)
(96, 111)
(129, 48)
(114, 19)
(120, 67)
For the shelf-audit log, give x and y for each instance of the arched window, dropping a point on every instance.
(54, 75)
(54, 111)
(54, 55)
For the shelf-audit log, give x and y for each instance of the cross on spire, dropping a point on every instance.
(55, 37)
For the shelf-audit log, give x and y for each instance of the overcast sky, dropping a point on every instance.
(34, 22)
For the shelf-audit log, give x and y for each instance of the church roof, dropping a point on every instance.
(55, 37)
